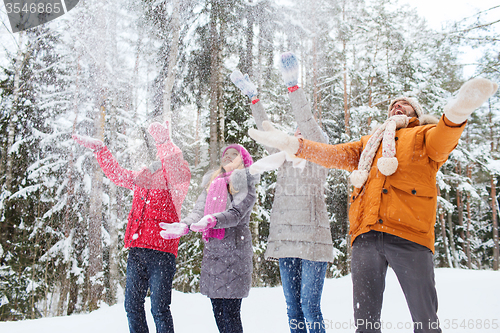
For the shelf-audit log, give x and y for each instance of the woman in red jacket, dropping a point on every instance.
(159, 191)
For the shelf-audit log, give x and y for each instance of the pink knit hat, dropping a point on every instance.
(245, 156)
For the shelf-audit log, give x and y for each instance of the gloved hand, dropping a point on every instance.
(161, 135)
(471, 95)
(272, 137)
(289, 69)
(207, 222)
(173, 230)
(244, 84)
(159, 132)
(88, 142)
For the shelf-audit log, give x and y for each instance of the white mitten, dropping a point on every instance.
(243, 82)
(207, 222)
(272, 137)
(289, 69)
(173, 230)
(88, 142)
(471, 95)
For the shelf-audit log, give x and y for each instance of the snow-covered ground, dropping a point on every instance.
(469, 301)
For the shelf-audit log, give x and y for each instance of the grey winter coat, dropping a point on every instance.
(299, 220)
(226, 268)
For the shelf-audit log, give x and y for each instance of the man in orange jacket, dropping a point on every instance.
(393, 206)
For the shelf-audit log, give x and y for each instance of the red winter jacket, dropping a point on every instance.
(151, 206)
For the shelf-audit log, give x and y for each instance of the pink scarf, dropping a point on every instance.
(216, 202)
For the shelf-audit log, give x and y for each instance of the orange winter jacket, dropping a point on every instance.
(404, 203)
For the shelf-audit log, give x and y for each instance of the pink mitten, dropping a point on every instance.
(164, 146)
(173, 230)
(88, 142)
(159, 132)
(207, 222)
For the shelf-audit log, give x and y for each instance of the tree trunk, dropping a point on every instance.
(316, 93)
(451, 233)
(95, 224)
(469, 255)
(198, 128)
(248, 68)
(494, 208)
(11, 131)
(214, 79)
(111, 296)
(460, 208)
(443, 230)
(172, 61)
(347, 115)
(494, 202)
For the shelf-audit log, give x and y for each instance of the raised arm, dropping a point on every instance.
(248, 88)
(175, 168)
(342, 156)
(118, 175)
(443, 138)
(301, 107)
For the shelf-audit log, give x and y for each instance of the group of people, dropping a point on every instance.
(392, 211)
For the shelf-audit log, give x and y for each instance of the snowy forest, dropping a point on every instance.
(108, 69)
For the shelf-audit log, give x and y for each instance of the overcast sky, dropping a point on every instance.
(438, 12)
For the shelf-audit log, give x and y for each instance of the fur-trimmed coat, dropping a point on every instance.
(299, 220)
(404, 203)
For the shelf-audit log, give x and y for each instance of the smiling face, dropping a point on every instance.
(229, 156)
(402, 107)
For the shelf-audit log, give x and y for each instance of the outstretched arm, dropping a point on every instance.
(342, 156)
(248, 88)
(118, 175)
(301, 107)
(443, 138)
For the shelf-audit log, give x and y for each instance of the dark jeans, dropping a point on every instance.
(302, 282)
(155, 270)
(371, 254)
(227, 314)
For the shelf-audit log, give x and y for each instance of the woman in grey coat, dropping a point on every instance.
(222, 214)
(299, 235)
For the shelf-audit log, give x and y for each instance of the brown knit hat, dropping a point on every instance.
(413, 102)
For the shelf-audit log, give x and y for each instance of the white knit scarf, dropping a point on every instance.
(388, 163)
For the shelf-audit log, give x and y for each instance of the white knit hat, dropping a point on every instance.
(413, 102)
